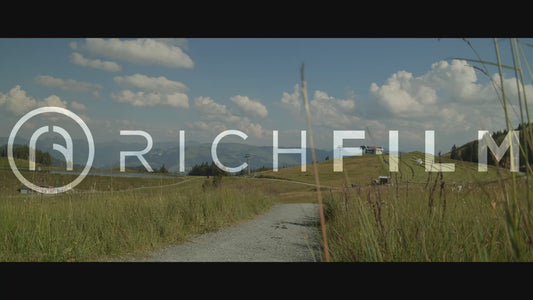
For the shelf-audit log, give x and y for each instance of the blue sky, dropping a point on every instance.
(207, 85)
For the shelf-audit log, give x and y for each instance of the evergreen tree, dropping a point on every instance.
(466, 154)
(454, 154)
(205, 169)
(474, 146)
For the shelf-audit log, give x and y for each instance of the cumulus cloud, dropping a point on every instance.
(108, 66)
(449, 98)
(325, 110)
(141, 99)
(449, 94)
(78, 106)
(139, 51)
(253, 129)
(52, 101)
(216, 116)
(214, 127)
(155, 84)
(249, 106)
(17, 102)
(291, 101)
(404, 94)
(458, 79)
(511, 88)
(67, 84)
(210, 109)
(178, 42)
(157, 91)
(445, 84)
(331, 112)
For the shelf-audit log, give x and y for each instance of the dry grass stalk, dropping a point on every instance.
(315, 169)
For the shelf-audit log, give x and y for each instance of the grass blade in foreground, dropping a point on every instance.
(315, 169)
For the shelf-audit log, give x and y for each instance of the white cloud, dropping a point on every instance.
(67, 84)
(151, 99)
(209, 109)
(291, 101)
(326, 111)
(247, 105)
(200, 125)
(218, 116)
(329, 111)
(178, 42)
(511, 88)
(155, 84)
(448, 96)
(108, 66)
(158, 91)
(458, 79)
(139, 51)
(78, 106)
(404, 94)
(52, 101)
(18, 103)
(214, 127)
(253, 129)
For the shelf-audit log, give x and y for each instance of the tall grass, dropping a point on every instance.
(103, 226)
(485, 221)
(384, 223)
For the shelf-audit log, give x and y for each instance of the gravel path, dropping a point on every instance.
(286, 233)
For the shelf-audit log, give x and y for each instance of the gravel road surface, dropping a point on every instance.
(286, 233)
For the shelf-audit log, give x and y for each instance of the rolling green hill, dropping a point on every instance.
(361, 170)
(21, 163)
(469, 151)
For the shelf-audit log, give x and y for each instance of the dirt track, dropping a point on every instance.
(286, 233)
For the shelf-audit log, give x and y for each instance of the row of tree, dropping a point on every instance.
(23, 152)
(206, 169)
(469, 151)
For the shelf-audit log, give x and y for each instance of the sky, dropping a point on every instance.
(207, 85)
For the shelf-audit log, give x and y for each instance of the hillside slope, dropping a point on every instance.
(361, 170)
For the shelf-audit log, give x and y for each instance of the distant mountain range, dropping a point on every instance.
(107, 155)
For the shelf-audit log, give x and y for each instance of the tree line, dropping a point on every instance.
(23, 152)
(469, 151)
(206, 169)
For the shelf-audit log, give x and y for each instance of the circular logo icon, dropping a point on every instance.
(59, 110)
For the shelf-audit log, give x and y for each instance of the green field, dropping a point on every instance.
(420, 216)
(106, 218)
(361, 170)
(463, 215)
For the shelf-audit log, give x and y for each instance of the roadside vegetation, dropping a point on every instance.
(457, 216)
(433, 222)
(129, 217)
(463, 216)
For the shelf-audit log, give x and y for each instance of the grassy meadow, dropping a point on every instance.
(460, 216)
(361, 170)
(386, 223)
(107, 218)
(421, 216)
(463, 215)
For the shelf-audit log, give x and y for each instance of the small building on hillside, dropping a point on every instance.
(24, 190)
(384, 180)
(372, 149)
